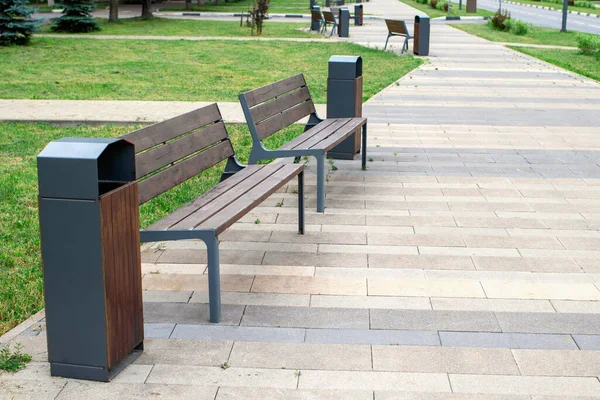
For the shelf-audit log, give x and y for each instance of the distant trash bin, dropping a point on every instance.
(89, 225)
(344, 23)
(358, 15)
(421, 39)
(471, 6)
(344, 100)
(315, 24)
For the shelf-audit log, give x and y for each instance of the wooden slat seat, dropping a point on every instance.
(273, 107)
(173, 151)
(397, 28)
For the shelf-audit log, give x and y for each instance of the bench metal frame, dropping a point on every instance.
(403, 31)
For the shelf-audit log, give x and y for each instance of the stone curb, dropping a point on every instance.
(22, 327)
(459, 18)
(554, 9)
(215, 14)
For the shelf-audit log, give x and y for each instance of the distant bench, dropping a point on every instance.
(397, 28)
(173, 151)
(271, 108)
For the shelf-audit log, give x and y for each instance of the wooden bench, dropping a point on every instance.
(397, 28)
(318, 17)
(271, 108)
(329, 19)
(173, 151)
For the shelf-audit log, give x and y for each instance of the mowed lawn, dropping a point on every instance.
(571, 60)
(536, 35)
(275, 7)
(186, 27)
(93, 69)
(21, 286)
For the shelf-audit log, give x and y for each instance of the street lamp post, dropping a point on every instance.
(565, 11)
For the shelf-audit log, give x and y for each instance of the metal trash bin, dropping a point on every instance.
(471, 6)
(358, 15)
(314, 24)
(344, 99)
(421, 39)
(89, 225)
(344, 23)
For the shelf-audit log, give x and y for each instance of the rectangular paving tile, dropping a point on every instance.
(230, 393)
(195, 256)
(525, 264)
(320, 237)
(158, 331)
(420, 261)
(367, 249)
(558, 363)
(300, 356)
(301, 317)
(587, 307)
(373, 336)
(459, 304)
(540, 290)
(410, 303)
(358, 380)
(196, 313)
(310, 285)
(434, 320)
(183, 351)
(290, 270)
(549, 323)
(426, 288)
(382, 395)
(316, 259)
(458, 360)
(587, 342)
(396, 239)
(238, 333)
(257, 299)
(229, 283)
(216, 376)
(169, 296)
(507, 340)
(532, 385)
(75, 390)
(512, 242)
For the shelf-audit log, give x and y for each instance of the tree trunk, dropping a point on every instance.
(200, 2)
(147, 9)
(188, 5)
(218, 2)
(113, 14)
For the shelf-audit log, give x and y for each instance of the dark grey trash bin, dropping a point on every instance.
(358, 14)
(421, 36)
(344, 99)
(315, 25)
(344, 23)
(89, 224)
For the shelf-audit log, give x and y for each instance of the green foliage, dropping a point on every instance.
(433, 3)
(516, 27)
(16, 25)
(13, 361)
(588, 44)
(76, 17)
(497, 21)
(258, 14)
(442, 5)
(584, 4)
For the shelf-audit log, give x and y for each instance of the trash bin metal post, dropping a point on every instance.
(344, 23)
(358, 15)
(89, 226)
(344, 100)
(421, 36)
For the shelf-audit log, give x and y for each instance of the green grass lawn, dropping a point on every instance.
(571, 60)
(276, 7)
(454, 11)
(184, 27)
(559, 6)
(91, 69)
(21, 286)
(536, 35)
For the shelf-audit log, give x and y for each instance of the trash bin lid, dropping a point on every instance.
(345, 67)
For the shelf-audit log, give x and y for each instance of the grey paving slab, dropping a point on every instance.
(373, 336)
(169, 296)
(316, 259)
(238, 333)
(558, 363)
(158, 330)
(195, 256)
(30, 390)
(301, 356)
(75, 390)
(549, 323)
(434, 320)
(420, 261)
(228, 393)
(193, 313)
(444, 396)
(587, 342)
(299, 317)
(507, 340)
(183, 351)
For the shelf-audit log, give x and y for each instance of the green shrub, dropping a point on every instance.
(584, 4)
(13, 361)
(517, 27)
(498, 20)
(442, 5)
(588, 44)
(76, 18)
(422, 1)
(433, 3)
(16, 24)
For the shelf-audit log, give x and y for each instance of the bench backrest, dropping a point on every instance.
(396, 26)
(175, 150)
(271, 108)
(316, 15)
(328, 15)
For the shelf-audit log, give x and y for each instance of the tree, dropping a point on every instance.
(258, 14)
(113, 12)
(16, 25)
(147, 9)
(76, 17)
(188, 5)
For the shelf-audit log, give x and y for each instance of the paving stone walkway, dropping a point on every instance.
(463, 264)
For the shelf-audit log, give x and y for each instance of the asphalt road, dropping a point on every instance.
(540, 17)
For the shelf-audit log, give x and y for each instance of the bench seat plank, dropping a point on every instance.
(326, 135)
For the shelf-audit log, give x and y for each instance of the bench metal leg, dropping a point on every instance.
(364, 146)
(214, 279)
(405, 46)
(386, 42)
(321, 183)
(301, 203)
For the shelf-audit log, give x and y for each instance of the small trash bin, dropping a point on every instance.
(471, 6)
(358, 15)
(315, 25)
(344, 99)
(421, 39)
(89, 225)
(344, 23)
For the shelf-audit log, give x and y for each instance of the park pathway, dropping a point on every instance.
(464, 264)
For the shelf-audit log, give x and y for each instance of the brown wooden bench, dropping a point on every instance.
(271, 108)
(330, 20)
(397, 28)
(173, 151)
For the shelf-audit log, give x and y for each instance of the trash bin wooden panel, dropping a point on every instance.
(471, 6)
